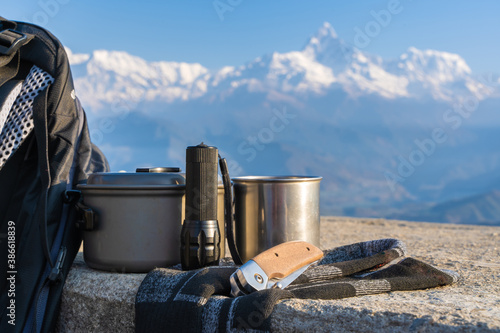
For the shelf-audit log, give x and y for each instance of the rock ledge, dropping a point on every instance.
(95, 301)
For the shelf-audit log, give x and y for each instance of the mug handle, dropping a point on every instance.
(228, 211)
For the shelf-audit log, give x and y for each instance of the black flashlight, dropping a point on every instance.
(200, 234)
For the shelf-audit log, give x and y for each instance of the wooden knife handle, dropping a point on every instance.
(284, 259)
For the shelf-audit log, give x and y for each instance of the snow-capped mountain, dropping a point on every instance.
(325, 63)
(109, 76)
(368, 125)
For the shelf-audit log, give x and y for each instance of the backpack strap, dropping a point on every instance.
(6, 24)
(12, 40)
(10, 43)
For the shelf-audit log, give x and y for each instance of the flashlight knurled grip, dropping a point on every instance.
(200, 234)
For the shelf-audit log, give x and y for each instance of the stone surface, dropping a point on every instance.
(472, 304)
(95, 301)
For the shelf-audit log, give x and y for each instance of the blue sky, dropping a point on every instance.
(232, 32)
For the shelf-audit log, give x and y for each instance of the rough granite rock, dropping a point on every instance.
(95, 301)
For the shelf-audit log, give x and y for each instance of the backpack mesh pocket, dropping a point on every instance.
(19, 122)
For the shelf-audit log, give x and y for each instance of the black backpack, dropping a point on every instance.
(45, 150)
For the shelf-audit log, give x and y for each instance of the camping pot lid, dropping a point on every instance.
(142, 177)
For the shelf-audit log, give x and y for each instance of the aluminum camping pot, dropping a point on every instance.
(272, 210)
(138, 219)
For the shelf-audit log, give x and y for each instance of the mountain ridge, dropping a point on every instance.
(326, 109)
(325, 63)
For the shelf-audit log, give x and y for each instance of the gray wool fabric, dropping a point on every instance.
(199, 300)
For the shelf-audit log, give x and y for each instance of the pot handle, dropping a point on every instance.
(86, 220)
(228, 211)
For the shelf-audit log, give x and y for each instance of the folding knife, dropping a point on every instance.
(274, 268)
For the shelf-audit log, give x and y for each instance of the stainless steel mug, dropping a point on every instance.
(270, 210)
